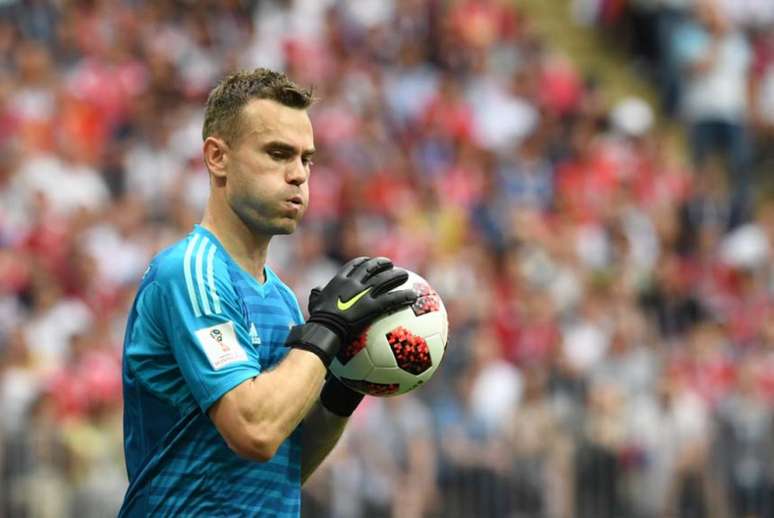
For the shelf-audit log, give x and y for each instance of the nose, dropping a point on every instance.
(297, 172)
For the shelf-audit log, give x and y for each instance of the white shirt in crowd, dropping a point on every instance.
(66, 186)
(720, 92)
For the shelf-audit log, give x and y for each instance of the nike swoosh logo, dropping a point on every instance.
(344, 306)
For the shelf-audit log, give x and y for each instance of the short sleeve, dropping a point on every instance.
(689, 45)
(206, 328)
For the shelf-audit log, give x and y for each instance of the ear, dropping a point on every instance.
(215, 151)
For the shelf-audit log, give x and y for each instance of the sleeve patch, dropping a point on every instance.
(221, 345)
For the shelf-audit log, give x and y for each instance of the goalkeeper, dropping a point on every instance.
(226, 407)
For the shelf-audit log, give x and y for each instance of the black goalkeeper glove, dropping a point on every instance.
(355, 297)
(338, 398)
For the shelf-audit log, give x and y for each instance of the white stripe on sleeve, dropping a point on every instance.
(211, 279)
(200, 276)
(188, 279)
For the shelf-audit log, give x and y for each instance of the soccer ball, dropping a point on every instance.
(399, 351)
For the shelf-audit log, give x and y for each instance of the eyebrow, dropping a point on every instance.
(283, 146)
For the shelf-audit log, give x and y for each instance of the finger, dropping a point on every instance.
(352, 265)
(395, 300)
(376, 266)
(387, 280)
(364, 269)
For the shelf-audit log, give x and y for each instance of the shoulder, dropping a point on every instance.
(194, 257)
(168, 266)
(195, 267)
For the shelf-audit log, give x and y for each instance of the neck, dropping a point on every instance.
(241, 243)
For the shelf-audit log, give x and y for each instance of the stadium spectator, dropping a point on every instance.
(745, 432)
(616, 294)
(716, 59)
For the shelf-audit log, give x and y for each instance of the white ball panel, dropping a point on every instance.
(389, 375)
(357, 368)
(436, 345)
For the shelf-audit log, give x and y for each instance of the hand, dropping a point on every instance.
(355, 297)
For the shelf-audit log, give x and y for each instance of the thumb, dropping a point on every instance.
(314, 296)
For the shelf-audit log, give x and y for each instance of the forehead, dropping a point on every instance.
(266, 120)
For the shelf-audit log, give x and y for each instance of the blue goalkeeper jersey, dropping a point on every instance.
(199, 326)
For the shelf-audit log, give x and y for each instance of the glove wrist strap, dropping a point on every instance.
(339, 399)
(315, 338)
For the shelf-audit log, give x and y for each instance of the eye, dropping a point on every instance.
(278, 155)
(307, 161)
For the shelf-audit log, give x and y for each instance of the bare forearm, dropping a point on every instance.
(258, 415)
(321, 431)
(290, 391)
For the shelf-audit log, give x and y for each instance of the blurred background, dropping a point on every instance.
(587, 183)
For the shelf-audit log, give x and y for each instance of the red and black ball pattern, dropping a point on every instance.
(428, 300)
(369, 387)
(348, 351)
(411, 352)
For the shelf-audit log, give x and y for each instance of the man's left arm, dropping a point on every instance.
(325, 423)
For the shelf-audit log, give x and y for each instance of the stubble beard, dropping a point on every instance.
(264, 226)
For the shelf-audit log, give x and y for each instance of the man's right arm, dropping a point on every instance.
(256, 416)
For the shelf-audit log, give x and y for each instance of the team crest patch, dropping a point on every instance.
(220, 344)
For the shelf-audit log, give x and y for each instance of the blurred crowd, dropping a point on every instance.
(610, 294)
(712, 62)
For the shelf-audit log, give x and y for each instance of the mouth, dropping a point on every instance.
(294, 206)
(296, 200)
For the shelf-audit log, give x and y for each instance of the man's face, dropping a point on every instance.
(268, 168)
